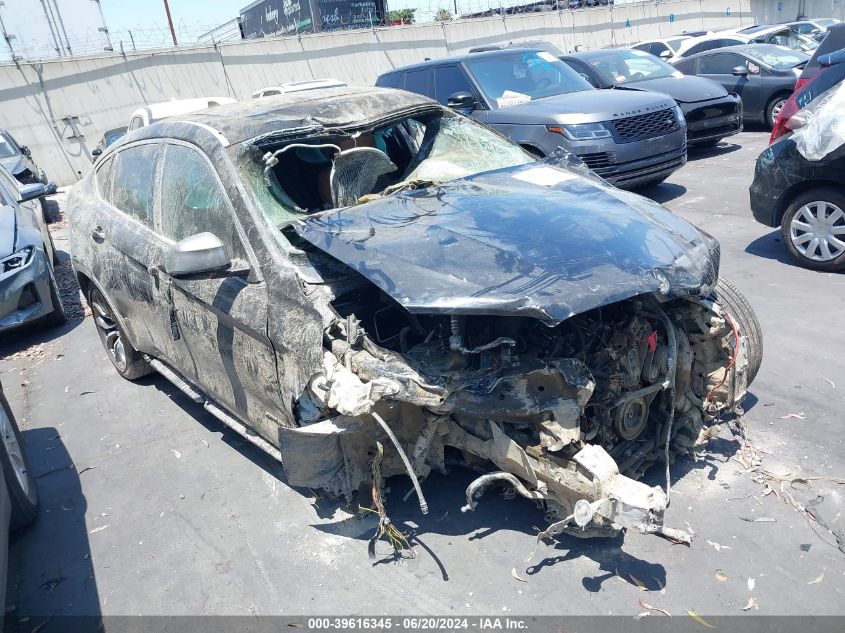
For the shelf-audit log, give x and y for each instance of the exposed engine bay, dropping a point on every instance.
(569, 416)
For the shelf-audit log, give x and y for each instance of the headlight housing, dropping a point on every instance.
(679, 114)
(581, 131)
(16, 260)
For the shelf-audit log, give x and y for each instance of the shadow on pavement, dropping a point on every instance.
(664, 192)
(725, 147)
(227, 435)
(51, 574)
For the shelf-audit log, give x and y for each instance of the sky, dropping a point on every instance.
(190, 17)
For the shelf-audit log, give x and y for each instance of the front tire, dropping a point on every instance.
(20, 481)
(126, 359)
(813, 229)
(740, 310)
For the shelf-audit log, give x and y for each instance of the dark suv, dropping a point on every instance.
(630, 138)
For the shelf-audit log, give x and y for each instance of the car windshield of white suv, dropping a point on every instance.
(625, 67)
(7, 149)
(511, 78)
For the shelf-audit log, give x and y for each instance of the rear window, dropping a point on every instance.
(103, 177)
(134, 182)
(419, 81)
(448, 81)
(390, 80)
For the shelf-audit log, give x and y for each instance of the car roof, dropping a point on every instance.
(299, 86)
(602, 51)
(747, 49)
(456, 59)
(176, 107)
(682, 36)
(311, 109)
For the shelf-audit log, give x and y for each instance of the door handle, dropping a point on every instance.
(98, 234)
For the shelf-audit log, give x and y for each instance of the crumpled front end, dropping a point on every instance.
(568, 416)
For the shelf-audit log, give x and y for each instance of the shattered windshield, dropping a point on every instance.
(334, 171)
(509, 79)
(625, 67)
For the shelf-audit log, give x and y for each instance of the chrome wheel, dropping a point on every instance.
(817, 231)
(109, 331)
(776, 110)
(13, 450)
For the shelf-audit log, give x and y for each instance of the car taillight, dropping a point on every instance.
(780, 127)
(791, 107)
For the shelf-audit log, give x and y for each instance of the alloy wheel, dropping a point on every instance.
(776, 110)
(817, 231)
(109, 331)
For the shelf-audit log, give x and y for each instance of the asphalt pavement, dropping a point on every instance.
(150, 506)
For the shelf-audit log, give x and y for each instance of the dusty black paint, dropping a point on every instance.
(495, 244)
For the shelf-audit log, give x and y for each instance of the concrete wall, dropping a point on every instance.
(61, 108)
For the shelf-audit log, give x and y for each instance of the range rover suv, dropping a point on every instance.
(629, 138)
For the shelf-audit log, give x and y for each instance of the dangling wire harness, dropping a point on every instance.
(385, 528)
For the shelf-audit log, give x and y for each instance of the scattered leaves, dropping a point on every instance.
(517, 576)
(176, 453)
(718, 547)
(720, 575)
(699, 619)
(789, 416)
(751, 583)
(759, 519)
(817, 579)
(99, 529)
(645, 605)
(751, 604)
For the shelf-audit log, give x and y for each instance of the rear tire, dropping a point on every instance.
(20, 481)
(803, 230)
(746, 321)
(774, 107)
(58, 316)
(127, 360)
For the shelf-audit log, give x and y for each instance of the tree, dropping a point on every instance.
(401, 16)
(443, 15)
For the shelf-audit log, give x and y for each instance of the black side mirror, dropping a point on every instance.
(25, 151)
(462, 101)
(740, 71)
(31, 192)
(96, 153)
(664, 54)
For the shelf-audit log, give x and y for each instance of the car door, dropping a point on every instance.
(720, 66)
(221, 316)
(126, 250)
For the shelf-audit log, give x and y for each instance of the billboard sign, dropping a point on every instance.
(350, 14)
(276, 17)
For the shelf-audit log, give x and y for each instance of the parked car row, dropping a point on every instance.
(799, 180)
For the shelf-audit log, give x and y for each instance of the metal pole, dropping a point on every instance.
(170, 22)
(61, 24)
(132, 38)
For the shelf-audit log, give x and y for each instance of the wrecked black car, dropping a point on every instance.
(364, 284)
